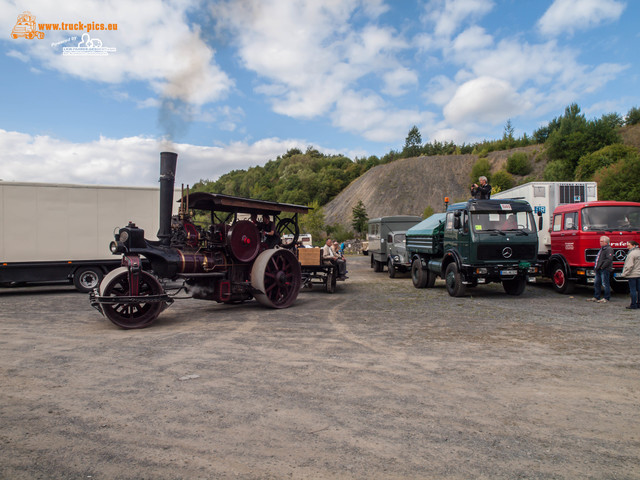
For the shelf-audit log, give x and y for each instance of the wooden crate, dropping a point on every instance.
(309, 256)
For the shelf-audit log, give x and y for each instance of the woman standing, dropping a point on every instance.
(631, 271)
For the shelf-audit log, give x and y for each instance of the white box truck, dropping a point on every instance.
(544, 197)
(61, 233)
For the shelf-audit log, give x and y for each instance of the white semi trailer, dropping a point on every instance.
(61, 233)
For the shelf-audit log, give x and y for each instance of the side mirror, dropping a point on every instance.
(540, 219)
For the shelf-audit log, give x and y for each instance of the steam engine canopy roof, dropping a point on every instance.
(218, 202)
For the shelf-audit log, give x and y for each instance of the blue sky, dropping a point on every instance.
(233, 84)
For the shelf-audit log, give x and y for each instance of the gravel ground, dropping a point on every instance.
(378, 380)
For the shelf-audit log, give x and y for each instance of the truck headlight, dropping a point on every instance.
(481, 271)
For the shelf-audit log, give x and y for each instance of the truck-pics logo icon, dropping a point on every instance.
(26, 27)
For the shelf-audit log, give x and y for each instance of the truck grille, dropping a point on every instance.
(619, 254)
(494, 252)
(421, 243)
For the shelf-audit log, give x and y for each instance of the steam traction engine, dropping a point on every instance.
(226, 261)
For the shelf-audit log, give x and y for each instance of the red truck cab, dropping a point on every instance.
(575, 233)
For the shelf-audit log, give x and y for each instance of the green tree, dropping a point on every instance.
(428, 211)
(360, 218)
(313, 223)
(620, 180)
(591, 163)
(413, 143)
(633, 116)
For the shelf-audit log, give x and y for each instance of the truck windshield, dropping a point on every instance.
(399, 238)
(520, 222)
(611, 218)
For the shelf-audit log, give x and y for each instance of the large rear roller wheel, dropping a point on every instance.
(130, 315)
(276, 276)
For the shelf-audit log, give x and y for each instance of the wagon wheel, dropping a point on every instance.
(276, 276)
(130, 315)
(288, 226)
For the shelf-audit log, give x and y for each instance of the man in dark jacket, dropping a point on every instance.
(482, 191)
(603, 269)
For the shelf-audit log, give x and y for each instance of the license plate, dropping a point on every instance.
(508, 272)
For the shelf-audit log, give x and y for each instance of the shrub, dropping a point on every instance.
(558, 171)
(519, 164)
(503, 180)
(619, 181)
(482, 167)
(427, 212)
(589, 164)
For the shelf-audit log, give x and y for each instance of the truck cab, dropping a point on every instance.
(378, 239)
(575, 240)
(398, 260)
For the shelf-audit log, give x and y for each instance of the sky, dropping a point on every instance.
(232, 84)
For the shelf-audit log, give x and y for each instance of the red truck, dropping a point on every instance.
(571, 222)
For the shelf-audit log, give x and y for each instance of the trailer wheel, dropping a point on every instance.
(130, 315)
(515, 286)
(86, 279)
(392, 269)
(453, 279)
(277, 277)
(560, 279)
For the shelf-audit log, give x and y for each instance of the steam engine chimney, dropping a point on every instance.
(167, 176)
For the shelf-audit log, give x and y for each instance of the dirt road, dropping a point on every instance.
(378, 380)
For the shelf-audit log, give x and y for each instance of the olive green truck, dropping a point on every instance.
(475, 242)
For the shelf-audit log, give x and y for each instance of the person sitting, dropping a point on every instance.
(271, 237)
(329, 255)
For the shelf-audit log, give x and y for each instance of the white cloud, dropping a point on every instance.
(308, 54)
(370, 117)
(154, 41)
(448, 15)
(484, 99)
(567, 16)
(398, 81)
(127, 161)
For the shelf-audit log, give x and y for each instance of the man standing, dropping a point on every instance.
(631, 271)
(603, 268)
(482, 191)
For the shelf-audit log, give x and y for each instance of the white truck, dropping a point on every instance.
(61, 233)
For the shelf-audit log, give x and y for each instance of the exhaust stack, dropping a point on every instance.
(168, 162)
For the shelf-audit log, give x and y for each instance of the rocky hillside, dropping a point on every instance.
(408, 186)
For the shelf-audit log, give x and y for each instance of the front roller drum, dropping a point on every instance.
(276, 278)
(131, 311)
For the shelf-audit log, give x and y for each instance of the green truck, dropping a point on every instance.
(475, 242)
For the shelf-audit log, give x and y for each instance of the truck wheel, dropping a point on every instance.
(560, 280)
(515, 286)
(377, 266)
(421, 278)
(85, 279)
(453, 279)
(392, 269)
